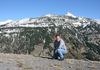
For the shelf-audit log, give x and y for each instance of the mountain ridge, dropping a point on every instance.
(35, 36)
(23, 22)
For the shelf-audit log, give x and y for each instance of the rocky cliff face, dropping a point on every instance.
(35, 36)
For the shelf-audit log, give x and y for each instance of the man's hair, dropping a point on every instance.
(57, 35)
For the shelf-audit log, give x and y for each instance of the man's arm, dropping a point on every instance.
(62, 44)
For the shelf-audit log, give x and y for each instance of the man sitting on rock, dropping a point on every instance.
(59, 48)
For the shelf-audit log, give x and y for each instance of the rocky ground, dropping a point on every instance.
(28, 62)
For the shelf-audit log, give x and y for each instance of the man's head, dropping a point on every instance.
(58, 37)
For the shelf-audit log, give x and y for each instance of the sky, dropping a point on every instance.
(18, 9)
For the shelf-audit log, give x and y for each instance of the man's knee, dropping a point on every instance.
(62, 51)
(58, 50)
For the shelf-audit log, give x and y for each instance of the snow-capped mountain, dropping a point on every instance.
(50, 20)
(82, 35)
(44, 21)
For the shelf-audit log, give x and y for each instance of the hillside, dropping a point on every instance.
(28, 62)
(35, 36)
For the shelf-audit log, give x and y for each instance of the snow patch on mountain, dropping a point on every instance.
(98, 21)
(49, 15)
(76, 24)
(26, 20)
(70, 15)
(5, 22)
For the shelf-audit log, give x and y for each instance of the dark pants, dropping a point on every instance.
(55, 54)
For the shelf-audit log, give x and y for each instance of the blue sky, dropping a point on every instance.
(17, 9)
